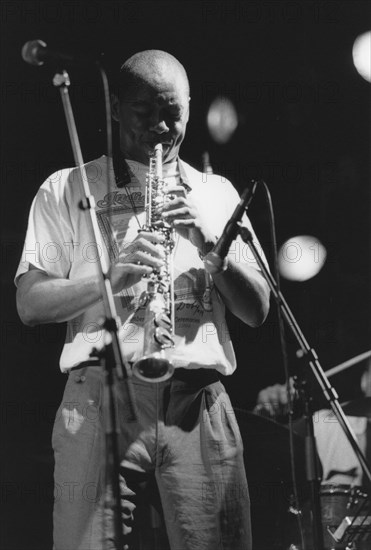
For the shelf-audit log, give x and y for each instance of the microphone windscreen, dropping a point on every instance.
(31, 51)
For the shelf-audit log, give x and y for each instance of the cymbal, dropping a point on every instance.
(358, 407)
(267, 449)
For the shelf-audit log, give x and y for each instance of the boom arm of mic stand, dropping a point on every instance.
(114, 361)
(310, 356)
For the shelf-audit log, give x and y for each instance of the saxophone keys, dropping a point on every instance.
(163, 337)
(162, 320)
(143, 300)
(206, 300)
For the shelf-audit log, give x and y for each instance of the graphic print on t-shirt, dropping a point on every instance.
(114, 214)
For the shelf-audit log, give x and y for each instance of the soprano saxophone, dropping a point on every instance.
(158, 300)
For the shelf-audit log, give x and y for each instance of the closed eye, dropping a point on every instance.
(173, 115)
(142, 112)
(176, 116)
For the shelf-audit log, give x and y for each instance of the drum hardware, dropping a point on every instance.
(346, 517)
(347, 364)
(351, 526)
(358, 407)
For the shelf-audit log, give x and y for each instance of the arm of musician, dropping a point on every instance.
(244, 291)
(273, 400)
(42, 298)
(243, 288)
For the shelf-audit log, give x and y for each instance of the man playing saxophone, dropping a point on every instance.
(186, 438)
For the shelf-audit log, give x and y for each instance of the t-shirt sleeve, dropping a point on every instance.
(49, 232)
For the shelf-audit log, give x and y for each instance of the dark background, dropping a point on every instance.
(304, 126)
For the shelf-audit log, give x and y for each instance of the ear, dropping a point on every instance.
(189, 101)
(115, 107)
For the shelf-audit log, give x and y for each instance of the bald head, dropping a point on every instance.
(149, 68)
(152, 105)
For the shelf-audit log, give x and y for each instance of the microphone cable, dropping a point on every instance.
(294, 505)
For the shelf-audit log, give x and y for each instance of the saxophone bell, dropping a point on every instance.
(154, 367)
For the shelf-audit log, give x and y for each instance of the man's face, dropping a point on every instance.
(157, 112)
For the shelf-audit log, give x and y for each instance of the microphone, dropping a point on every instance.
(36, 52)
(215, 260)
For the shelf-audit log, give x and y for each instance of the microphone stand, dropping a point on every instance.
(309, 355)
(114, 364)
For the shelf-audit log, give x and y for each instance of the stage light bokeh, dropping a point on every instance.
(222, 119)
(362, 55)
(301, 257)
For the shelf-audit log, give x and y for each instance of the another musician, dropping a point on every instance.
(339, 462)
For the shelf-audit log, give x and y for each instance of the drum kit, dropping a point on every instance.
(345, 509)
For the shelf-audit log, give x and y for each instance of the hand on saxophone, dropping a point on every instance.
(182, 213)
(136, 259)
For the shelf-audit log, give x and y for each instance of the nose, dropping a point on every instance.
(158, 126)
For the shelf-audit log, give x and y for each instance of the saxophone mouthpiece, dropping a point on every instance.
(158, 157)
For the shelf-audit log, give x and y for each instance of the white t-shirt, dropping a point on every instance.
(339, 462)
(58, 242)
